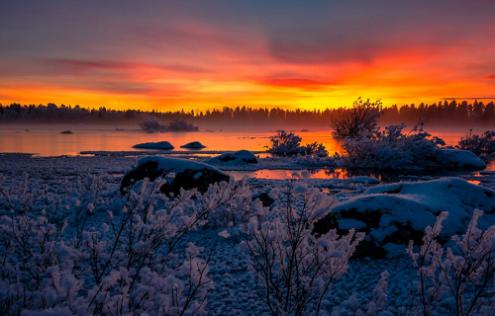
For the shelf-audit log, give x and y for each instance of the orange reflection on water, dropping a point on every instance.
(48, 141)
(292, 174)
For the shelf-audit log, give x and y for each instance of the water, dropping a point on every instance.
(48, 140)
(44, 140)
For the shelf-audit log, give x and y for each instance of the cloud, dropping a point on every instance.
(304, 83)
(83, 65)
(363, 33)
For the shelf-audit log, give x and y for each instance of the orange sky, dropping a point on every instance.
(172, 56)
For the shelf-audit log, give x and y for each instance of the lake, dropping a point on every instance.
(45, 140)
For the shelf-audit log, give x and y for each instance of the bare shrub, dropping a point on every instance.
(289, 144)
(359, 121)
(480, 144)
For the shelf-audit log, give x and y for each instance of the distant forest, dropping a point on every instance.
(448, 113)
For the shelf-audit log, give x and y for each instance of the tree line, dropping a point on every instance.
(450, 113)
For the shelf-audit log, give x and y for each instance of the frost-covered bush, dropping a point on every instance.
(228, 204)
(480, 144)
(289, 144)
(378, 305)
(128, 262)
(460, 278)
(295, 269)
(359, 121)
(391, 148)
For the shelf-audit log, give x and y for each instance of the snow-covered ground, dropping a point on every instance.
(236, 290)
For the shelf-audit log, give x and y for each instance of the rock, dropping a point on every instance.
(188, 174)
(393, 214)
(155, 145)
(265, 198)
(461, 159)
(238, 157)
(193, 145)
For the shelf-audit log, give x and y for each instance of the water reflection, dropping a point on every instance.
(48, 141)
(290, 174)
(341, 173)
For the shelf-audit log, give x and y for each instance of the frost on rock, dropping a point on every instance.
(155, 145)
(396, 213)
(188, 174)
(238, 157)
(461, 159)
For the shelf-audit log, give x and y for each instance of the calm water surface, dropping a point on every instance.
(48, 141)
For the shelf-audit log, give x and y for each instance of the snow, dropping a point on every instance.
(193, 145)
(164, 145)
(416, 204)
(363, 180)
(464, 159)
(56, 183)
(177, 164)
(239, 157)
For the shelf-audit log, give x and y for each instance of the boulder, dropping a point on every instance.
(193, 145)
(155, 145)
(393, 214)
(460, 159)
(188, 174)
(238, 157)
(265, 198)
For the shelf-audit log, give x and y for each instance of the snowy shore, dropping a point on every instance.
(235, 288)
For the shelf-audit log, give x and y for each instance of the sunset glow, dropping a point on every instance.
(199, 55)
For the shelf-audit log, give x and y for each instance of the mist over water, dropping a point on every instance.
(45, 140)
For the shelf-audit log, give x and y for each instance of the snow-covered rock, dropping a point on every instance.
(461, 159)
(398, 212)
(238, 157)
(193, 145)
(188, 174)
(155, 145)
(363, 180)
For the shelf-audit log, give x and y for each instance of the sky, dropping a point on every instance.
(169, 55)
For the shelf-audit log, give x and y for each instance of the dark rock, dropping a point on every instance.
(155, 145)
(193, 179)
(188, 174)
(241, 156)
(265, 198)
(193, 145)
(392, 215)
